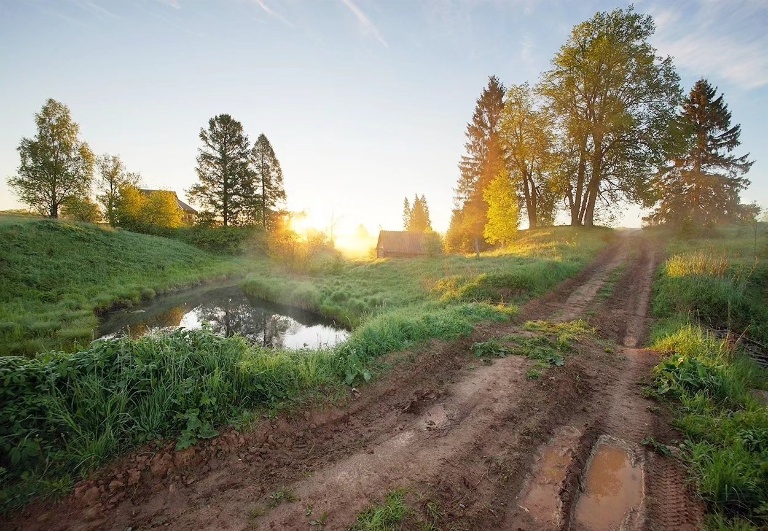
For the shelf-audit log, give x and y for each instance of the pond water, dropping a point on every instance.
(228, 311)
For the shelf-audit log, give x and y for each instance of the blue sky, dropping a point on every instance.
(365, 102)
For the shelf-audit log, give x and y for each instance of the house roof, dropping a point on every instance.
(182, 205)
(395, 241)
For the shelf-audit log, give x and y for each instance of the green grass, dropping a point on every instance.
(716, 282)
(56, 276)
(352, 292)
(385, 517)
(64, 413)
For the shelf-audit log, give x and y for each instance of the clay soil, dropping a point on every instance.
(465, 438)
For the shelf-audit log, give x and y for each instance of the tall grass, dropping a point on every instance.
(64, 414)
(711, 283)
(55, 276)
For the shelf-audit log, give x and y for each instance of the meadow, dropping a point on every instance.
(709, 296)
(56, 277)
(64, 413)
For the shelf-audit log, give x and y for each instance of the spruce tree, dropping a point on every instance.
(701, 185)
(483, 160)
(264, 191)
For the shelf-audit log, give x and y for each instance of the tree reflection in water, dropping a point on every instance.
(227, 311)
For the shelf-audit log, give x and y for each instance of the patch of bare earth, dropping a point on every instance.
(476, 445)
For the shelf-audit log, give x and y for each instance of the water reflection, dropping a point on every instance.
(227, 311)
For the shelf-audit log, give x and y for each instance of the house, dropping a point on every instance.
(189, 214)
(401, 244)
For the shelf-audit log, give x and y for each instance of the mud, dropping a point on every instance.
(476, 446)
(613, 489)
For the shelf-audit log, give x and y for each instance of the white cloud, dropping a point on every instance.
(716, 39)
(271, 12)
(367, 27)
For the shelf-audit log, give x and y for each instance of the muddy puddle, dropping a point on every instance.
(541, 500)
(613, 489)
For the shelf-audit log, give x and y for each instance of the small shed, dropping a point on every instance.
(401, 244)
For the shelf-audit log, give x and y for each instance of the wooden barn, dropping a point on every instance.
(401, 244)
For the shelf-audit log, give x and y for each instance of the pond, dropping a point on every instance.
(227, 311)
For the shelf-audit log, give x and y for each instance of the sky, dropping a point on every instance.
(365, 102)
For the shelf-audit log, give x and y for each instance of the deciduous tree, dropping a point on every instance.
(702, 183)
(614, 99)
(503, 211)
(112, 177)
(222, 168)
(55, 165)
(527, 138)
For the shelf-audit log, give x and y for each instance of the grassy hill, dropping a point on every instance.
(55, 276)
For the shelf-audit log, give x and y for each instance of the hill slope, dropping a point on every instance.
(56, 275)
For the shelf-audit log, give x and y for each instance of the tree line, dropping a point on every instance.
(239, 184)
(606, 124)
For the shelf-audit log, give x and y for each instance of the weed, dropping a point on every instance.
(708, 283)
(385, 517)
(656, 446)
(533, 373)
(281, 496)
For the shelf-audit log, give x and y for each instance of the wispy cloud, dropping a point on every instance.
(723, 40)
(96, 9)
(366, 26)
(272, 13)
(175, 4)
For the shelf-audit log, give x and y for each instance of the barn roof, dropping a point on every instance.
(182, 205)
(401, 242)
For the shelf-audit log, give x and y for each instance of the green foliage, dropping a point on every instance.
(80, 209)
(222, 240)
(112, 178)
(719, 290)
(711, 380)
(385, 517)
(484, 159)
(503, 212)
(613, 99)
(64, 414)
(548, 347)
(222, 169)
(702, 185)
(263, 189)
(55, 164)
(55, 276)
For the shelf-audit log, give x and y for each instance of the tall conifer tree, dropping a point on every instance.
(222, 167)
(701, 186)
(483, 160)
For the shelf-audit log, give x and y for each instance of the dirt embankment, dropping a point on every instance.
(476, 445)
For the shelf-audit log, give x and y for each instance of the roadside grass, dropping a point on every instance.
(716, 283)
(354, 292)
(63, 414)
(56, 276)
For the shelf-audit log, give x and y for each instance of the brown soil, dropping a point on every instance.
(476, 445)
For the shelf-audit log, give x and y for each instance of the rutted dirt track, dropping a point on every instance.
(477, 446)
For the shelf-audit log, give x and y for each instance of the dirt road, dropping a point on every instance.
(476, 445)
